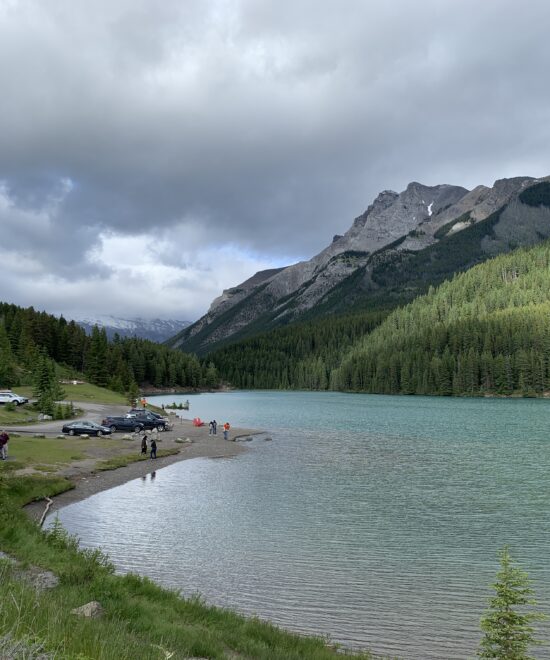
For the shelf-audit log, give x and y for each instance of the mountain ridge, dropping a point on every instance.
(157, 330)
(394, 228)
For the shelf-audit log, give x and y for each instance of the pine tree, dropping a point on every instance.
(46, 388)
(7, 360)
(96, 358)
(211, 376)
(508, 631)
(133, 394)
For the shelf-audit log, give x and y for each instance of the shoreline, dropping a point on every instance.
(87, 481)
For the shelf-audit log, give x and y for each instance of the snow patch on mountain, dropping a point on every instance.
(157, 330)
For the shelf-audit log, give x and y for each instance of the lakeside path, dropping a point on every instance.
(87, 481)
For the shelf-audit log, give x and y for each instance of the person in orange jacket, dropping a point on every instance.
(226, 428)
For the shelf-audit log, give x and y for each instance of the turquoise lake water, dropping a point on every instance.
(375, 520)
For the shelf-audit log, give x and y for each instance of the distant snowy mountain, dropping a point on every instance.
(157, 330)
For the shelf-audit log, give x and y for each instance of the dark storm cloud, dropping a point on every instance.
(270, 124)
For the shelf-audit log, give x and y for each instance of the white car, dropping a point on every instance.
(11, 397)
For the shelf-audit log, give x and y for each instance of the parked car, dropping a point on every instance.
(144, 411)
(7, 396)
(83, 426)
(123, 424)
(149, 420)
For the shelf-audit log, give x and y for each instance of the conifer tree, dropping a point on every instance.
(46, 388)
(211, 376)
(132, 395)
(7, 360)
(96, 358)
(507, 624)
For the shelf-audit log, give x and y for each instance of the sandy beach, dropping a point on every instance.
(87, 481)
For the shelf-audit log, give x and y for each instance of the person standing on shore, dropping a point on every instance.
(211, 428)
(214, 427)
(226, 428)
(144, 445)
(153, 448)
(4, 438)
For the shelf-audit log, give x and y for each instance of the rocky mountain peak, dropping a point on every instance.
(408, 222)
(382, 201)
(509, 186)
(393, 215)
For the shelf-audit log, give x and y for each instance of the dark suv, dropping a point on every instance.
(123, 424)
(149, 420)
(144, 411)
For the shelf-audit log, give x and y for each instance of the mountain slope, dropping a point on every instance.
(487, 330)
(393, 252)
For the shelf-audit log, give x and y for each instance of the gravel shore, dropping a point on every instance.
(197, 444)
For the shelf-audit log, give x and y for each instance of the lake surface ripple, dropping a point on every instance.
(374, 520)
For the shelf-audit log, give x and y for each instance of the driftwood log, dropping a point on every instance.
(48, 505)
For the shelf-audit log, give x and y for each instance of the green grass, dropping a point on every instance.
(122, 461)
(21, 415)
(84, 392)
(156, 409)
(48, 454)
(46, 451)
(140, 619)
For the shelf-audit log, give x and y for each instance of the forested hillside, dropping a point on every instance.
(485, 331)
(27, 335)
(299, 356)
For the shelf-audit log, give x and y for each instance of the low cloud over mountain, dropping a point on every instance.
(167, 150)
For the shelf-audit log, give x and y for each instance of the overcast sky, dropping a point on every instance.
(155, 153)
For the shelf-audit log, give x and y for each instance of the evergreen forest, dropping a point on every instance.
(298, 356)
(28, 337)
(485, 331)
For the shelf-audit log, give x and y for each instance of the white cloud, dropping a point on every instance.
(138, 282)
(176, 129)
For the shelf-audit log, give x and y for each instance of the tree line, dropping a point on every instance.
(28, 337)
(485, 331)
(298, 356)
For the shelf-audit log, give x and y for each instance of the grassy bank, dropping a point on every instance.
(53, 452)
(121, 461)
(20, 415)
(140, 619)
(83, 392)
